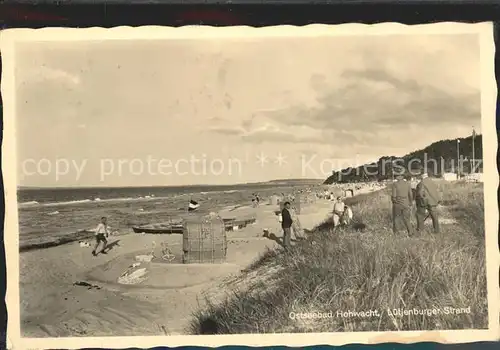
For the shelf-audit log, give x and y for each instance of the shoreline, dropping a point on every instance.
(168, 298)
(62, 236)
(186, 190)
(130, 217)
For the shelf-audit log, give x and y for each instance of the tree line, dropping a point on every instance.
(438, 158)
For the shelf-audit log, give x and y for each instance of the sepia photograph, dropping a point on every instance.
(286, 185)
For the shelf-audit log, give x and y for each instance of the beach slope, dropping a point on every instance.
(65, 291)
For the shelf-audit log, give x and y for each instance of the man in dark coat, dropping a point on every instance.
(286, 224)
(427, 198)
(402, 200)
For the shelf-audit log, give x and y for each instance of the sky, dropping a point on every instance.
(224, 111)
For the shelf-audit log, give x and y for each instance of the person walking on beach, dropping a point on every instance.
(427, 200)
(286, 224)
(101, 233)
(402, 200)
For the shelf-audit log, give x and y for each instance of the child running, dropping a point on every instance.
(101, 232)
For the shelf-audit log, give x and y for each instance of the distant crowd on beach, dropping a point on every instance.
(255, 200)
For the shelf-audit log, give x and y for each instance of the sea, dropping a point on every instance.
(55, 216)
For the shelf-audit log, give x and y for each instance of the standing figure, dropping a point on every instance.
(339, 210)
(296, 228)
(402, 200)
(286, 224)
(427, 199)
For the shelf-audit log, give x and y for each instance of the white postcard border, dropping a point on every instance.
(8, 38)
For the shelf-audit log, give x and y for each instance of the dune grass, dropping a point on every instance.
(373, 270)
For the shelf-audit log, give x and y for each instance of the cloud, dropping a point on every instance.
(273, 133)
(265, 133)
(61, 75)
(371, 100)
(43, 91)
(363, 108)
(381, 76)
(44, 73)
(231, 131)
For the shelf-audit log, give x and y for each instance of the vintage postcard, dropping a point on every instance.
(254, 186)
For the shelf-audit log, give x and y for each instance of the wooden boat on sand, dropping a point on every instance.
(160, 228)
(233, 224)
(230, 224)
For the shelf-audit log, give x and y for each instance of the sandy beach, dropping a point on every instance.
(162, 304)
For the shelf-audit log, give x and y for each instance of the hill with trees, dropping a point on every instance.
(438, 158)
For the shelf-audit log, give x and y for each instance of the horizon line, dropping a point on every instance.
(169, 186)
